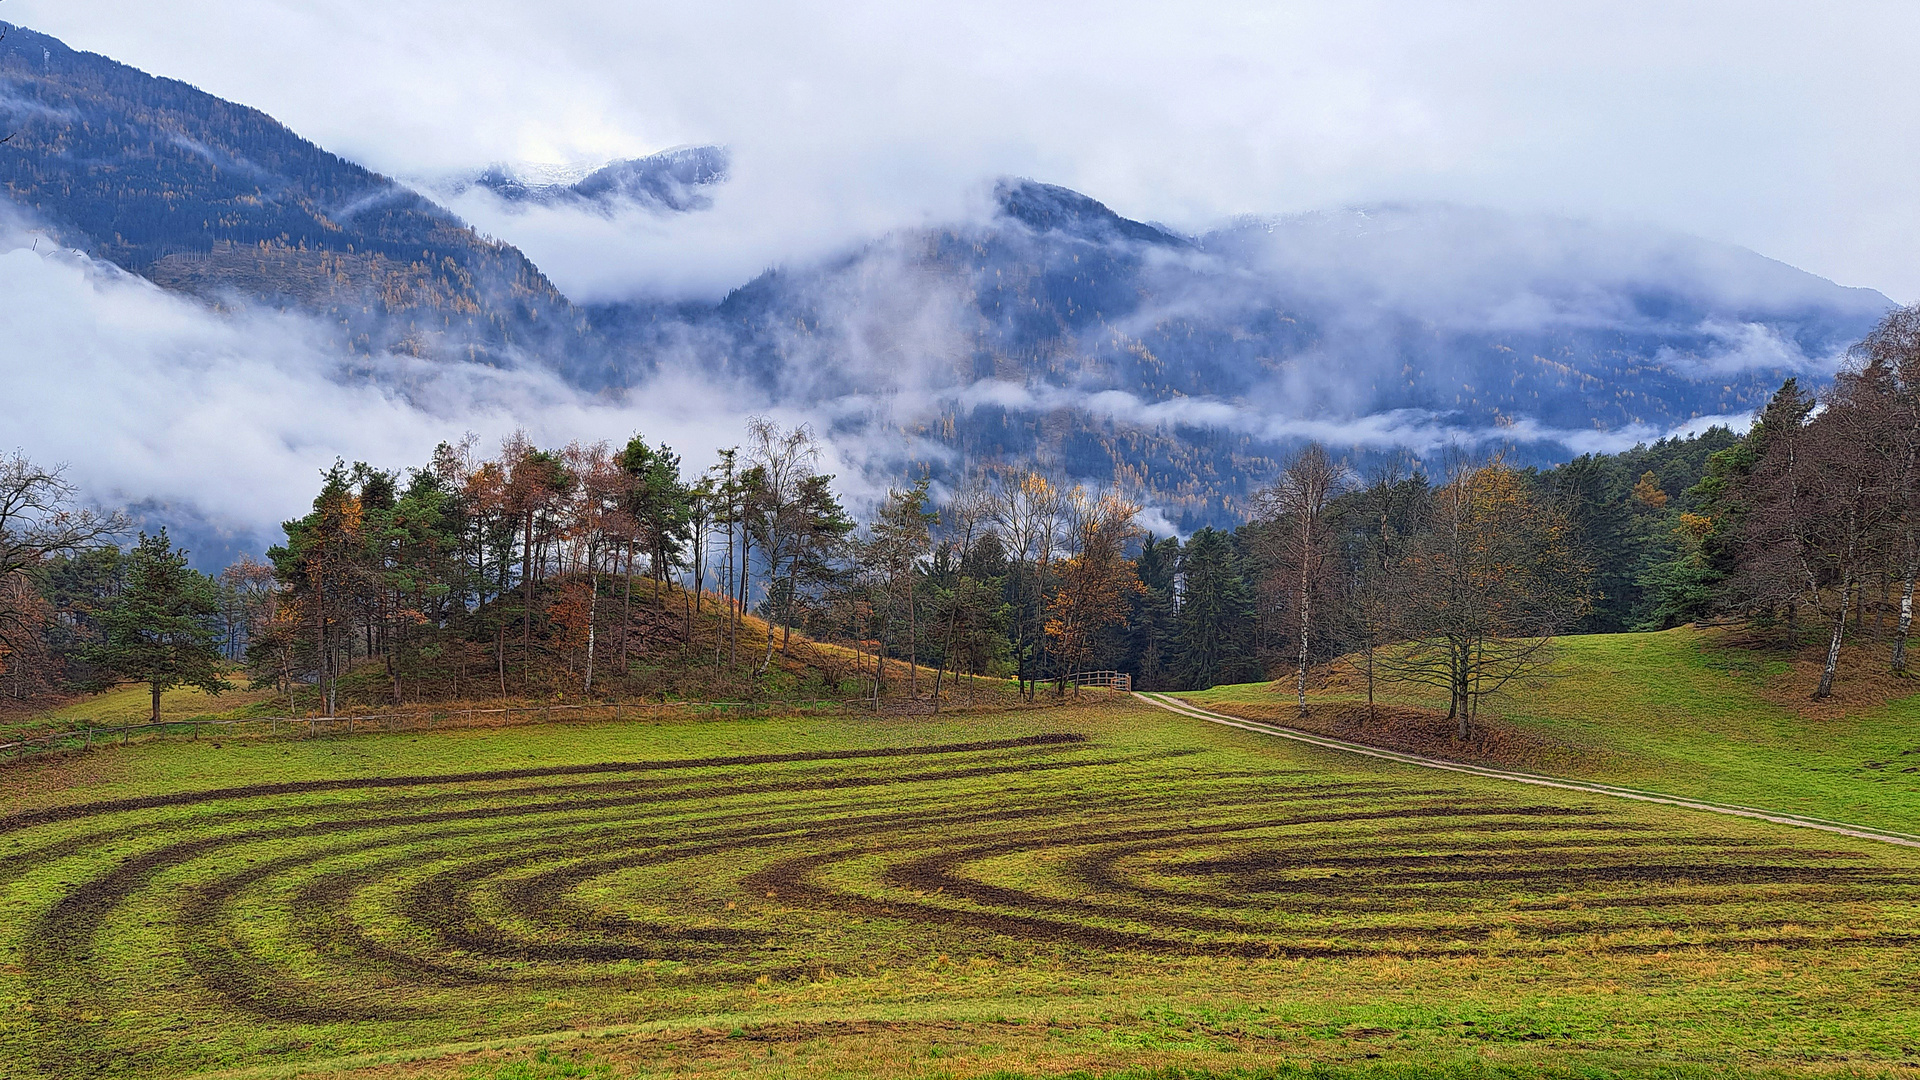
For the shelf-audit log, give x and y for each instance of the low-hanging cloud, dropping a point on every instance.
(226, 419)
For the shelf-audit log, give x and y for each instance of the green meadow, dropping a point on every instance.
(1102, 889)
(1683, 711)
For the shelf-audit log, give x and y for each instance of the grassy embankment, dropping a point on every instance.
(1098, 887)
(1688, 711)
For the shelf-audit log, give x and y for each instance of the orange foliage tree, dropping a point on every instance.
(1096, 583)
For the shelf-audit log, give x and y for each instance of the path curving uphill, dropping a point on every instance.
(1860, 832)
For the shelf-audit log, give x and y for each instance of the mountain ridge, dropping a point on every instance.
(1053, 332)
(211, 198)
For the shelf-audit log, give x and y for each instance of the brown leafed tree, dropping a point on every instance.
(1480, 594)
(1097, 582)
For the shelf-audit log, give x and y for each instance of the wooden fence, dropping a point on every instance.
(1112, 680)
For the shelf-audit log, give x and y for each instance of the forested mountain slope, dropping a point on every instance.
(1059, 331)
(217, 199)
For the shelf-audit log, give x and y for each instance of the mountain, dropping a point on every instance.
(1050, 330)
(215, 199)
(1057, 331)
(672, 181)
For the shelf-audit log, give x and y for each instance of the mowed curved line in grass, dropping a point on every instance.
(299, 919)
(1173, 704)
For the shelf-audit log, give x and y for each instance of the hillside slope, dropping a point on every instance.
(219, 200)
(1688, 711)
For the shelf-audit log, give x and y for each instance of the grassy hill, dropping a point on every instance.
(1709, 713)
(677, 651)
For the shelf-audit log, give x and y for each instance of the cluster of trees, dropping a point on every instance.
(1459, 584)
(77, 611)
(519, 573)
(537, 571)
(1815, 515)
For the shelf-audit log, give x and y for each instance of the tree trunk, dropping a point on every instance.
(1458, 709)
(593, 603)
(946, 655)
(913, 642)
(1825, 689)
(1305, 612)
(526, 588)
(699, 578)
(740, 599)
(1906, 615)
(1372, 717)
(156, 701)
(626, 609)
(773, 576)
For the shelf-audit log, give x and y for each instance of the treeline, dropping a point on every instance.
(592, 569)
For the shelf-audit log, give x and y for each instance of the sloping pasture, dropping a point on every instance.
(1074, 888)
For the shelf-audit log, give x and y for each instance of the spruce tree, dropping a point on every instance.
(163, 628)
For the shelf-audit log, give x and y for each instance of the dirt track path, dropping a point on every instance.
(1886, 836)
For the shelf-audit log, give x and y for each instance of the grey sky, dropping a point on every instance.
(1785, 127)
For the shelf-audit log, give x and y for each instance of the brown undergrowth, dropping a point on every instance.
(1786, 672)
(1417, 731)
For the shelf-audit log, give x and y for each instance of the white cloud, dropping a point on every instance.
(150, 398)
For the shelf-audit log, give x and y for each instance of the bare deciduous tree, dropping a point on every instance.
(1296, 508)
(1029, 511)
(1481, 594)
(1888, 374)
(38, 519)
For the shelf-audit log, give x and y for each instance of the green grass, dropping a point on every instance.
(134, 704)
(1676, 711)
(1098, 888)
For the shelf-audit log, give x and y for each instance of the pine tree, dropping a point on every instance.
(163, 629)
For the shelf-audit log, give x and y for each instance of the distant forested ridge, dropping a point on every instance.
(1189, 368)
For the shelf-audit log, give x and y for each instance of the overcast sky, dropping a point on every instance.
(1786, 127)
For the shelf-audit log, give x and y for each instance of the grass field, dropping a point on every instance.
(1096, 888)
(1685, 712)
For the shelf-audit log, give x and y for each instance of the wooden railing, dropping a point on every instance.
(1112, 680)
